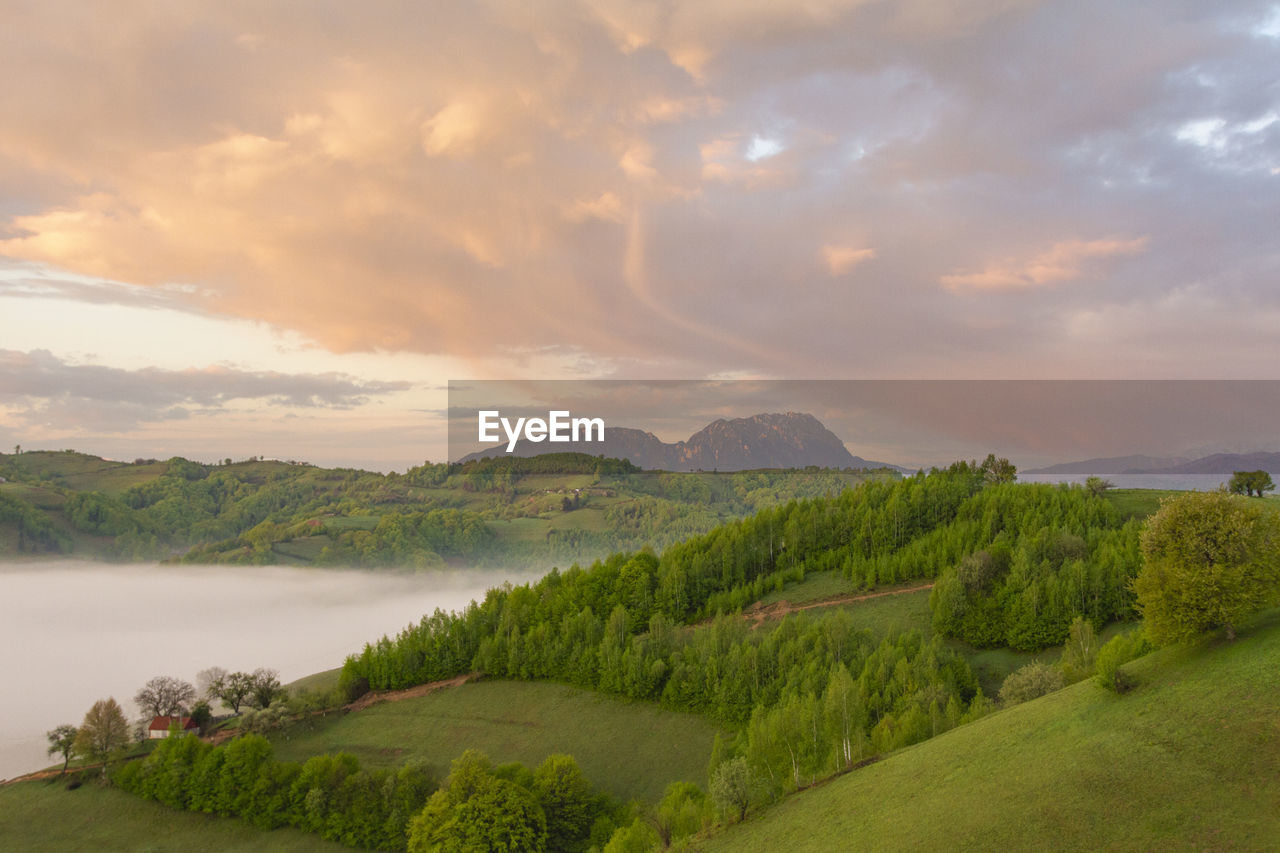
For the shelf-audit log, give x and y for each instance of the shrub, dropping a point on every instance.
(1030, 682)
(1118, 651)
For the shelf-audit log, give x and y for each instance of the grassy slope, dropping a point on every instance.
(631, 749)
(1187, 761)
(40, 816)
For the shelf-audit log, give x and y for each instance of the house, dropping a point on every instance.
(160, 726)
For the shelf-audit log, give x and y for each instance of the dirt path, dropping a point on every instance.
(409, 692)
(758, 614)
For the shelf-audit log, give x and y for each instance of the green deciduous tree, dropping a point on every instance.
(476, 811)
(567, 802)
(264, 688)
(685, 809)
(1212, 558)
(731, 785)
(1097, 485)
(104, 732)
(62, 741)
(1080, 651)
(232, 689)
(638, 837)
(1250, 483)
(998, 470)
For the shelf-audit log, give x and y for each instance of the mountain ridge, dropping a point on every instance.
(1217, 464)
(765, 440)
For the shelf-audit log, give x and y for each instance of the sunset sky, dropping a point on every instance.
(248, 228)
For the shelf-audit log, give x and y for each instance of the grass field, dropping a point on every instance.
(1187, 761)
(44, 817)
(631, 749)
(318, 681)
(815, 587)
(1138, 503)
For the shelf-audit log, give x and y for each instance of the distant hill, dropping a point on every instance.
(511, 512)
(777, 440)
(1222, 463)
(1218, 463)
(1110, 465)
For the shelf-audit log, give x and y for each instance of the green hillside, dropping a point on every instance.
(1186, 761)
(866, 628)
(558, 508)
(44, 817)
(519, 721)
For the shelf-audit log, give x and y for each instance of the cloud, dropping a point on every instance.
(1063, 262)
(607, 207)
(44, 388)
(841, 259)
(453, 130)
(641, 186)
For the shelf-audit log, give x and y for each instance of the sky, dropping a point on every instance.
(280, 229)
(911, 423)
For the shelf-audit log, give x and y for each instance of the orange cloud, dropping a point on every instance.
(841, 259)
(1063, 262)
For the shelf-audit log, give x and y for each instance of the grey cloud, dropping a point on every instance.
(50, 391)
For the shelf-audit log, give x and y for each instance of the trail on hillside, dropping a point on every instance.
(759, 613)
(409, 692)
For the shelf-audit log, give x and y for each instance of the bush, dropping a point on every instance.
(1080, 654)
(1030, 682)
(1118, 651)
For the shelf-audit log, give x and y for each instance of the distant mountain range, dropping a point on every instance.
(1217, 464)
(786, 440)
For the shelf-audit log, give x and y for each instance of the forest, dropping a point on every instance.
(503, 512)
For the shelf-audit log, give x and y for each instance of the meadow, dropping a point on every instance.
(44, 817)
(1186, 761)
(519, 721)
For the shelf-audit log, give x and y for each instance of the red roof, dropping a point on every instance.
(161, 724)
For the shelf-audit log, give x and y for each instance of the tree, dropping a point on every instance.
(232, 689)
(1211, 558)
(637, 837)
(998, 470)
(477, 811)
(103, 732)
(1250, 483)
(165, 696)
(731, 786)
(685, 809)
(207, 679)
(201, 714)
(264, 688)
(62, 741)
(567, 801)
(1080, 652)
(1096, 486)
